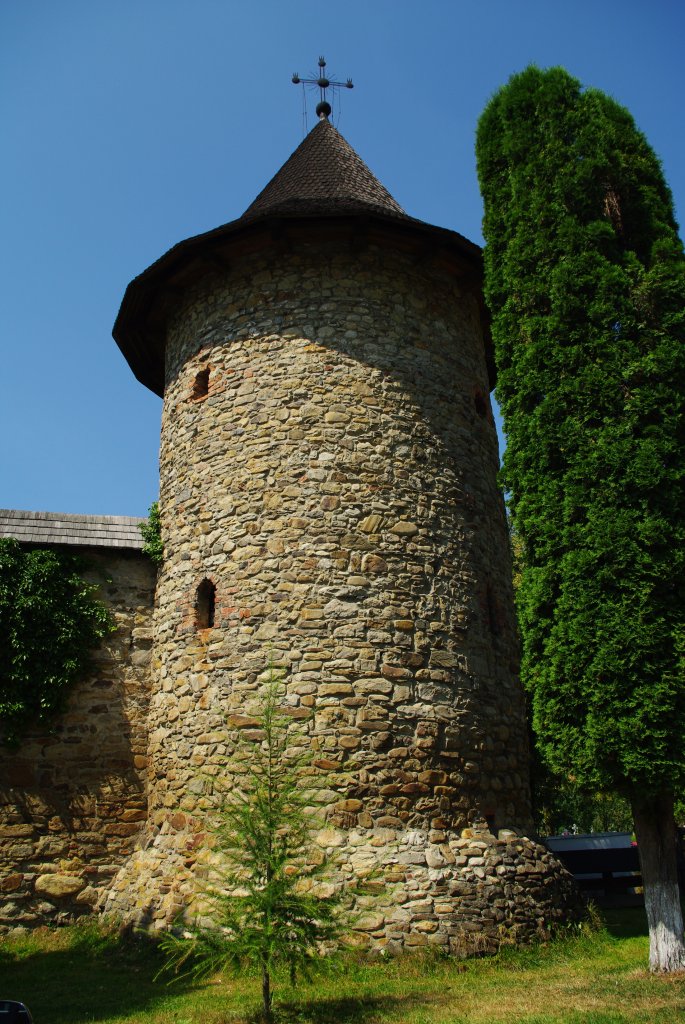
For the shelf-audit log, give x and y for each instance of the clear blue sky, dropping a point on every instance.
(129, 125)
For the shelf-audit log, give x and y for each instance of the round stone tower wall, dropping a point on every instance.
(328, 465)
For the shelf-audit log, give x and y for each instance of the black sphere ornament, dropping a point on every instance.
(323, 109)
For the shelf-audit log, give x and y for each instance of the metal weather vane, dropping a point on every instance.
(323, 82)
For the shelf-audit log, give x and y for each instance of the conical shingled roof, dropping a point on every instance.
(323, 175)
(325, 186)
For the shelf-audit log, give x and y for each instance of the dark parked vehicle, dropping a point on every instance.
(12, 1012)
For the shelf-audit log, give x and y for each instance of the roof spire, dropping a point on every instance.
(323, 107)
(323, 177)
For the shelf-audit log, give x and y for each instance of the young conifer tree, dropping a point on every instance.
(585, 280)
(264, 917)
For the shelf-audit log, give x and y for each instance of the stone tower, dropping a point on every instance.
(329, 501)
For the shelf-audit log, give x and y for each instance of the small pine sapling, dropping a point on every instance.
(263, 916)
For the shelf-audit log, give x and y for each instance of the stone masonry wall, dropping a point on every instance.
(328, 464)
(338, 486)
(72, 800)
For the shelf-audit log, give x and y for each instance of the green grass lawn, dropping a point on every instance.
(81, 974)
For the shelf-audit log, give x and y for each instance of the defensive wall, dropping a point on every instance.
(72, 799)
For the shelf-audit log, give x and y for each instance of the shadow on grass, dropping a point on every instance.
(102, 978)
(628, 922)
(70, 986)
(625, 922)
(347, 1010)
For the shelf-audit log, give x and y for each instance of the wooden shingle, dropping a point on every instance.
(46, 528)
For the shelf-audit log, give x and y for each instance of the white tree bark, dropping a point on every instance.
(656, 841)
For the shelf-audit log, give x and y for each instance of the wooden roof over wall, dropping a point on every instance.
(46, 528)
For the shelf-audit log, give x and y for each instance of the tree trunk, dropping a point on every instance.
(266, 995)
(656, 841)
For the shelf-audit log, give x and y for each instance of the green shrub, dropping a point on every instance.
(151, 530)
(49, 623)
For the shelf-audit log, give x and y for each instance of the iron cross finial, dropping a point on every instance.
(323, 108)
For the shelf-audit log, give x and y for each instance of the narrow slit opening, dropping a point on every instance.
(205, 604)
(201, 385)
(481, 403)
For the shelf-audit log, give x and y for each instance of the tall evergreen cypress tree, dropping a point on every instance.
(585, 279)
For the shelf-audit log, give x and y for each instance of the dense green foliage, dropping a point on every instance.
(559, 802)
(561, 805)
(151, 531)
(49, 623)
(265, 917)
(585, 279)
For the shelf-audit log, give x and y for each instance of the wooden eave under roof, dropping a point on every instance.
(140, 327)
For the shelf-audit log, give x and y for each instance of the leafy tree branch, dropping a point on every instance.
(50, 621)
(151, 531)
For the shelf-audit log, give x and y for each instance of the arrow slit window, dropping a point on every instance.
(205, 605)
